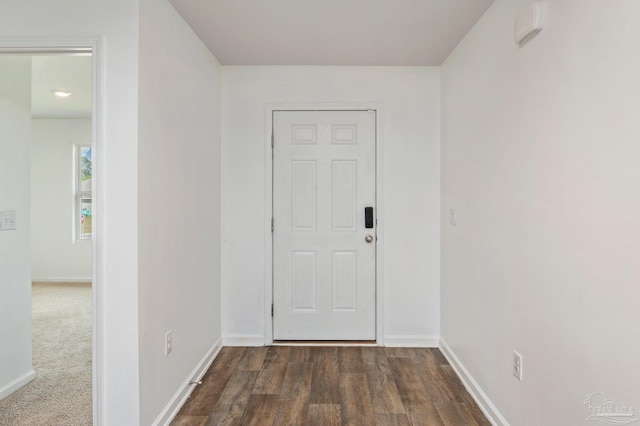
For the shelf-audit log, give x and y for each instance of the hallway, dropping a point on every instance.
(281, 385)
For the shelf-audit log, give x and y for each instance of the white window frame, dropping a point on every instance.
(79, 195)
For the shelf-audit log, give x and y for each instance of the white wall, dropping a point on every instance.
(54, 254)
(178, 205)
(116, 23)
(540, 158)
(15, 253)
(410, 99)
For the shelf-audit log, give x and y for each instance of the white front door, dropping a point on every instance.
(324, 240)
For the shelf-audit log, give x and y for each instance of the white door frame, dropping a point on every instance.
(268, 203)
(76, 45)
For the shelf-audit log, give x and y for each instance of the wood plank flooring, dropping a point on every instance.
(324, 386)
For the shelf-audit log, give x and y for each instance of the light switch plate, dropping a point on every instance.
(8, 220)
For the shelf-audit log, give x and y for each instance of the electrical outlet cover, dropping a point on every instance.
(168, 342)
(517, 365)
(8, 220)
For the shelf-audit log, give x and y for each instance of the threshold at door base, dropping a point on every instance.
(324, 343)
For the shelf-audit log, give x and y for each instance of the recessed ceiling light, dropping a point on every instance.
(61, 93)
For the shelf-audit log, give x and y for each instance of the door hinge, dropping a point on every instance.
(272, 309)
(272, 225)
(273, 139)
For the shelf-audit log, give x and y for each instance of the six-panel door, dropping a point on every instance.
(324, 267)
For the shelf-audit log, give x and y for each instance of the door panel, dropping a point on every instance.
(324, 270)
(344, 194)
(303, 195)
(304, 280)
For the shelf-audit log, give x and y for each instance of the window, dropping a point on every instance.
(82, 193)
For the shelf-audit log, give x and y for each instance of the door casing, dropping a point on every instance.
(268, 205)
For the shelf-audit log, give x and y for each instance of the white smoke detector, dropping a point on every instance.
(529, 23)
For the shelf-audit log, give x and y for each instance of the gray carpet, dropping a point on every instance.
(61, 393)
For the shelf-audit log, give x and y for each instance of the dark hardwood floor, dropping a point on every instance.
(311, 385)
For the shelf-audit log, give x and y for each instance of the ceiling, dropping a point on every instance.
(71, 73)
(285, 32)
(331, 32)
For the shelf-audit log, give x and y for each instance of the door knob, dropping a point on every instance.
(368, 238)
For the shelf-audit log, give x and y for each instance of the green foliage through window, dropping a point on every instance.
(85, 163)
(84, 202)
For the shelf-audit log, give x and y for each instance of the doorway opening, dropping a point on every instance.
(60, 214)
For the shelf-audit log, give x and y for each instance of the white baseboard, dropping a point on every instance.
(61, 279)
(411, 341)
(180, 397)
(10, 388)
(408, 341)
(481, 398)
(242, 340)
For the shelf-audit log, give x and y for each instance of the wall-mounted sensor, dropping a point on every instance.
(529, 23)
